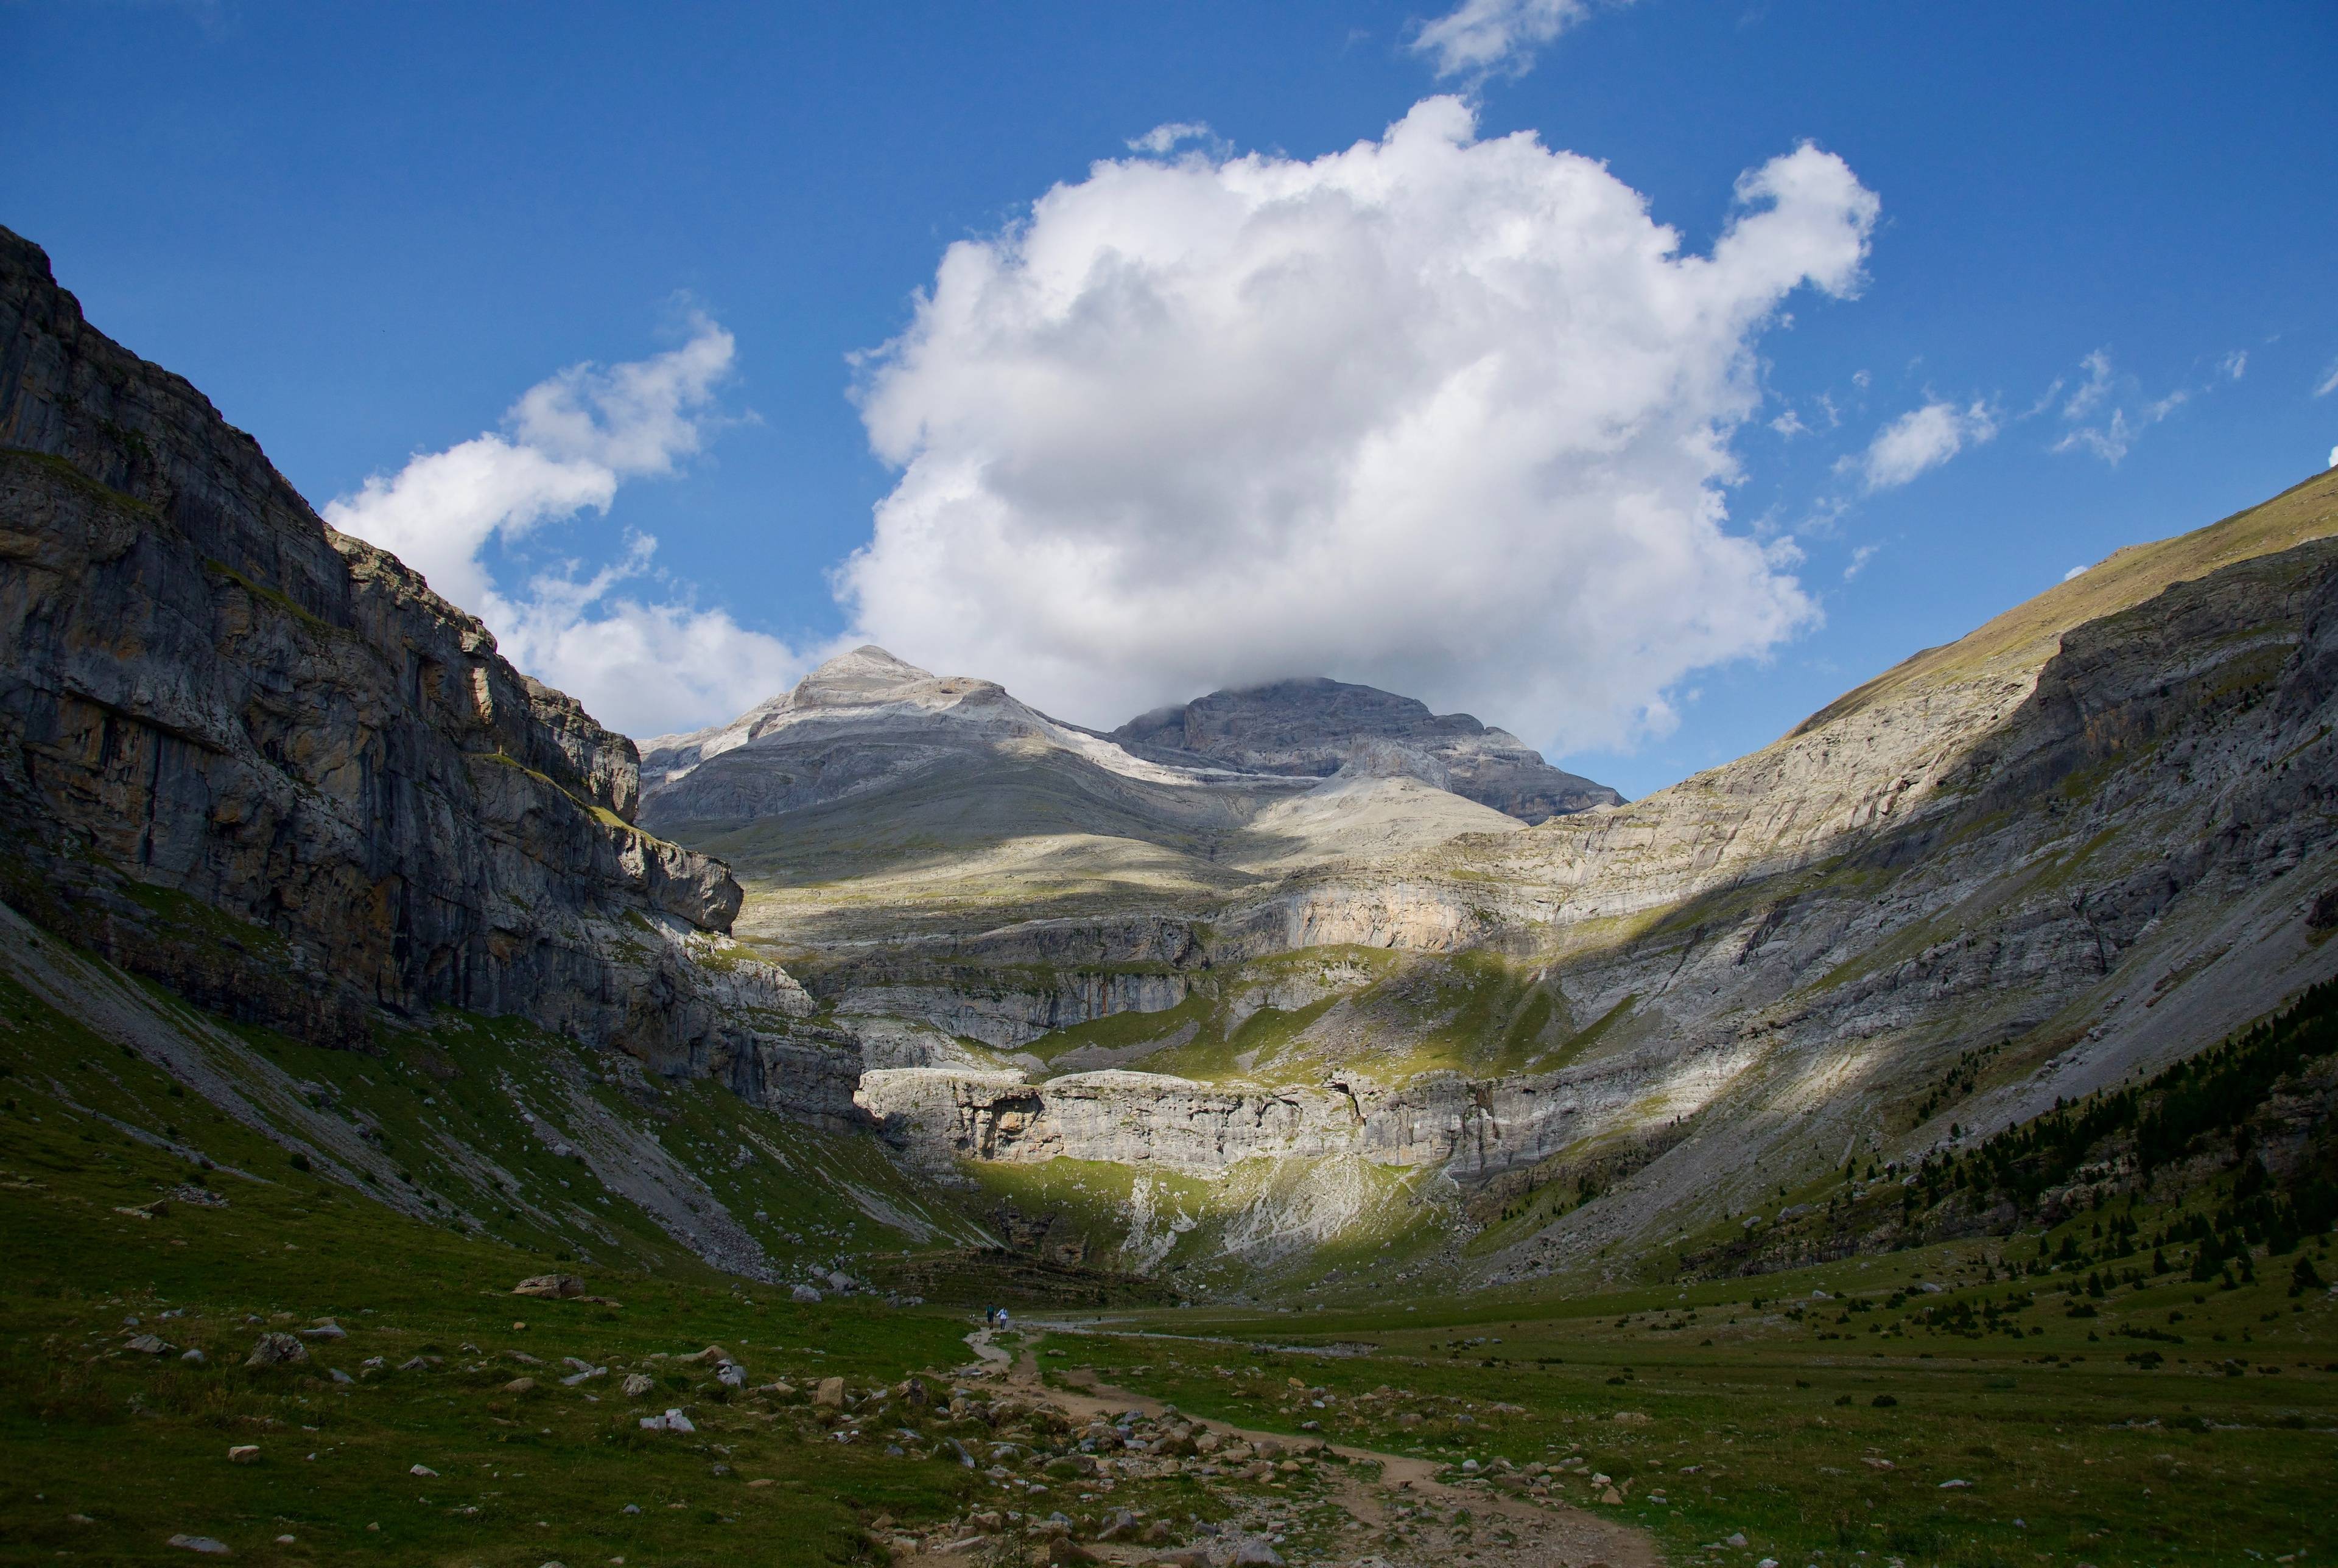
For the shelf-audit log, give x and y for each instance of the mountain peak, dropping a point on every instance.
(866, 674)
(1314, 726)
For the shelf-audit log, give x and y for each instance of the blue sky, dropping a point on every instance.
(2098, 255)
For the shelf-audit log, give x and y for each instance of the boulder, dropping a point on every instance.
(555, 1286)
(637, 1384)
(277, 1350)
(829, 1391)
(245, 1453)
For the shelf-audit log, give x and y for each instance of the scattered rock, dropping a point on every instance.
(195, 1358)
(672, 1421)
(830, 1391)
(328, 1330)
(146, 1345)
(1632, 1419)
(245, 1453)
(1255, 1554)
(520, 1386)
(339, 1375)
(420, 1470)
(637, 1384)
(202, 1543)
(1736, 1540)
(550, 1286)
(277, 1350)
(806, 1295)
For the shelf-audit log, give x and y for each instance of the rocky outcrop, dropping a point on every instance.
(263, 762)
(1318, 728)
(936, 1117)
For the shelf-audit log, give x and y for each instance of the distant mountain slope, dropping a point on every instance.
(1319, 727)
(876, 799)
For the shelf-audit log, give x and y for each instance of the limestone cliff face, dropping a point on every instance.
(2084, 841)
(263, 763)
(1318, 728)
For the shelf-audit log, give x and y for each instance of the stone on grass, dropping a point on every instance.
(1736, 1540)
(195, 1358)
(806, 1295)
(520, 1386)
(830, 1391)
(245, 1453)
(277, 1350)
(637, 1384)
(202, 1543)
(555, 1286)
(1255, 1554)
(420, 1470)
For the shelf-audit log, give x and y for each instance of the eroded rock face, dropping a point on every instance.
(2085, 849)
(263, 763)
(935, 1116)
(1318, 728)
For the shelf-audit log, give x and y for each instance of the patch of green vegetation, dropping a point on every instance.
(300, 613)
(60, 468)
(1823, 1411)
(1577, 1045)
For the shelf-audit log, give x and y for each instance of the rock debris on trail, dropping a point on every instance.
(1318, 1511)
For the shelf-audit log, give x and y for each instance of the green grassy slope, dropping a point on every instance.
(112, 1451)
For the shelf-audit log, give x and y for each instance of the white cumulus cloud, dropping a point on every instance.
(567, 444)
(1923, 438)
(1494, 37)
(1445, 414)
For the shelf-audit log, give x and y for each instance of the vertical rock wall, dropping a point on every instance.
(263, 763)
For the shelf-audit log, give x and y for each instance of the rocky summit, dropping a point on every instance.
(1319, 727)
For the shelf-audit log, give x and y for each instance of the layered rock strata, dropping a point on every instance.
(2083, 841)
(260, 762)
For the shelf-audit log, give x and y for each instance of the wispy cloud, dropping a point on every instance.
(1168, 138)
(1483, 38)
(1921, 440)
(2329, 382)
(2109, 412)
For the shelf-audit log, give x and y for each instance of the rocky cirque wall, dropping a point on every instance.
(2082, 854)
(261, 762)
